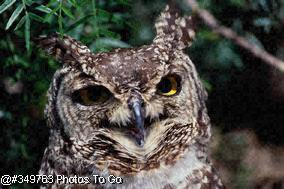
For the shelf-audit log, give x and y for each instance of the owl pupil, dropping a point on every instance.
(165, 86)
(91, 95)
(94, 94)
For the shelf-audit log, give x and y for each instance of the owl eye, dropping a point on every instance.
(92, 95)
(169, 85)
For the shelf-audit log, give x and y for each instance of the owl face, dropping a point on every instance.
(140, 106)
(105, 94)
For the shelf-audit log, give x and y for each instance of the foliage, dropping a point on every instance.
(26, 72)
(102, 25)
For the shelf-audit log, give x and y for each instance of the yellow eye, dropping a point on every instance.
(169, 85)
(92, 95)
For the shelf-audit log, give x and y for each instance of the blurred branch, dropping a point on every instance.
(226, 32)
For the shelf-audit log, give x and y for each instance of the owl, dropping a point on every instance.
(137, 114)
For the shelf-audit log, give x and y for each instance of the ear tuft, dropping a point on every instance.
(173, 29)
(64, 48)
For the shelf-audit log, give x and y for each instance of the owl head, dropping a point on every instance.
(137, 106)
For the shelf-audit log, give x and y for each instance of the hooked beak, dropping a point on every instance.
(138, 132)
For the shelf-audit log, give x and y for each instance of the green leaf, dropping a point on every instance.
(111, 42)
(36, 17)
(238, 3)
(60, 23)
(20, 23)
(124, 2)
(206, 84)
(254, 40)
(54, 11)
(44, 9)
(108, 33)
(14, 16)
(264, 22)
(77, 23)
(19, 60)
(73, 3)
(103, 13)
(67, 12)
(29, 2)
(6, 5)
(264, 4)
(27, 31)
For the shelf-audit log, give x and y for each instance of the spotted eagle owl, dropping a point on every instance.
(135, 113)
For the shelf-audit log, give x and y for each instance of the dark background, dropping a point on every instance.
(246, 96)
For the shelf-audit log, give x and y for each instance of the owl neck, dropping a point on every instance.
(190, 166)
(180, 143)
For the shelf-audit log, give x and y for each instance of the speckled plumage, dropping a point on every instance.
(87, 140)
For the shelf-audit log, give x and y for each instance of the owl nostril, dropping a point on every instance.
(135, 96)
(143, 104)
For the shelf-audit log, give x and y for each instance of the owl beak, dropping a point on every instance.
(139, 131)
